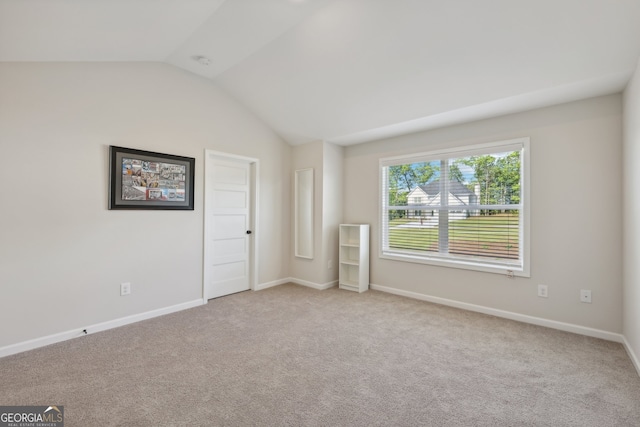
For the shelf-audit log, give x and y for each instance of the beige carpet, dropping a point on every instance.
(293, 356)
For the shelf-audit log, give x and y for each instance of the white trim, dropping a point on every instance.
(525, 198)
(254, 166)
(632, 355)
(273, 283)
(255, 208)
(301, 234)
(318, 286)
(98, 327)
(301, 282)
(448, 153)
(455, 261)
(553, 324)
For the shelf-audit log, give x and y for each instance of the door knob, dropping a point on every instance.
(248, 231)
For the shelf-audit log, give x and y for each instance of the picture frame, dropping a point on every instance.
(141, 179)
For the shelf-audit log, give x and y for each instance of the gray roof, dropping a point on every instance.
(455, 187)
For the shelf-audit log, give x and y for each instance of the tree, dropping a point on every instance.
(484, 168)
(455, 174)
(408, 176)
(404, 178)
(498, 177)
(508, 178)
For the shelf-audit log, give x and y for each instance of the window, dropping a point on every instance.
(472, 212)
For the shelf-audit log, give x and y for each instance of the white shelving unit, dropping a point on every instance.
(354, 257)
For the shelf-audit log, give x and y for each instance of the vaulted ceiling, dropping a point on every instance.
(349, 71)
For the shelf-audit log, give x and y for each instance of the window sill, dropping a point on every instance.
(485, 267)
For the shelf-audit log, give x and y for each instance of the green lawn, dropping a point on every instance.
(494, 236)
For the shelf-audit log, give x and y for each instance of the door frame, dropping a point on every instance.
(254, 191)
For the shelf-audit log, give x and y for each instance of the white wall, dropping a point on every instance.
(631, 212)
(332, 184)
(576, 218)
(63, 254)
(303, 157)
(326, 161)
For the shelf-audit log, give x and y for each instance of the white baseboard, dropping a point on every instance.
(98, 327)
(632, 355)
(320, 287)
(567, 327)
(267, 285)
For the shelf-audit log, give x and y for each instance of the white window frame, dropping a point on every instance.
(446, 260)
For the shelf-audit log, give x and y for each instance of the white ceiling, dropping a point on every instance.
(349, 71)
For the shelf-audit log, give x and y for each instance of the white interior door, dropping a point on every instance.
(227, 226)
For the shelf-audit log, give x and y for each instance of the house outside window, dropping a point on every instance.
(465, 207)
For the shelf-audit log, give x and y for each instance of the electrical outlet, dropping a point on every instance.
(125, 289)
(543, 291)
(585, 296)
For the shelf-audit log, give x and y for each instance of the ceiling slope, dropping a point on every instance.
(361, 69)
(98, 30)
(350, 71)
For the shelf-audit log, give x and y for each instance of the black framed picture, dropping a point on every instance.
(147, 180)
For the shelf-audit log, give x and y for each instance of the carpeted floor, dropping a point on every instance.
(293, 356)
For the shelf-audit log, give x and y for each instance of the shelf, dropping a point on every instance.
(354, 257)
(350, 286)
(350, 235)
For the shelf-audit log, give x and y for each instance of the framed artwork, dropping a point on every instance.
(147, 180)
